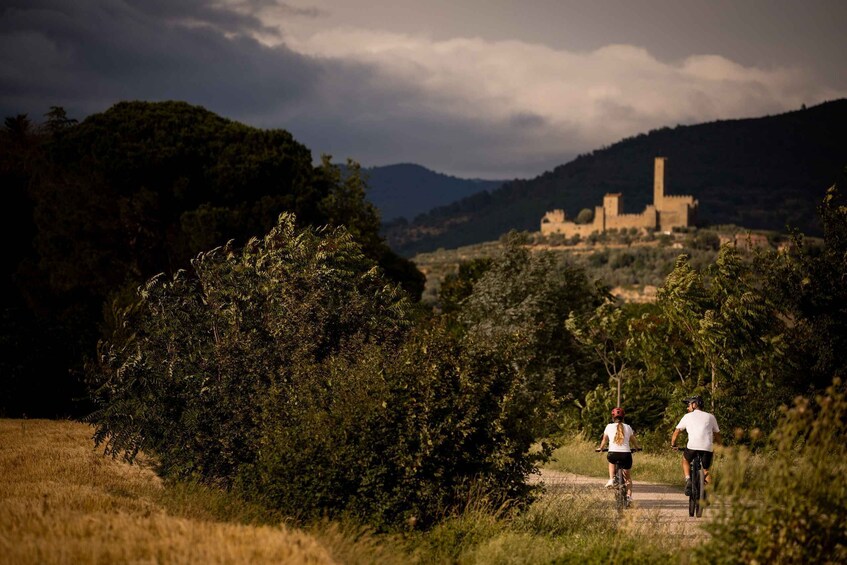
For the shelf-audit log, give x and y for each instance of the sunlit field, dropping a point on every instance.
(65, 502)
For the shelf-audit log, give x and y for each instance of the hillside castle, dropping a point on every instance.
(666, 212)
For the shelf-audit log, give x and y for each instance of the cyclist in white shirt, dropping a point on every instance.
(703, 433)
(621, 439)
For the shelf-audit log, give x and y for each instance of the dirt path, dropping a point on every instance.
(654, 505)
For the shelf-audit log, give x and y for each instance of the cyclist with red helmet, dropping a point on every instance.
(621, 440)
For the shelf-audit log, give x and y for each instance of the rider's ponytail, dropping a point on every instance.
(619, 434)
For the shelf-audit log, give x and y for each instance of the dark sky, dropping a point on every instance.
(482, 88)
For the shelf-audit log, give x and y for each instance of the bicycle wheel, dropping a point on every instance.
(620, 490)
(701, 492)
(694, 494)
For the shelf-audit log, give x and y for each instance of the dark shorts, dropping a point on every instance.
(623, 459)
(705, 456)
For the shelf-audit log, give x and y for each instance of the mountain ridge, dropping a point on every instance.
(766, 172)
(407, 190)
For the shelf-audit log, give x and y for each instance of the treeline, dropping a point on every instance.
(93, 209)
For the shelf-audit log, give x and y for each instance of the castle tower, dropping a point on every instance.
(659, 183)
(613, 204)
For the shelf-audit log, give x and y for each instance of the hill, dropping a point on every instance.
(760, 173)
(407, 190)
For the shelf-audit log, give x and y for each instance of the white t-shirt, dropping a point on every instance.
(700, 426)
(610, 432)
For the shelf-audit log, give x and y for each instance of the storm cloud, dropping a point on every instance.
(465, 105)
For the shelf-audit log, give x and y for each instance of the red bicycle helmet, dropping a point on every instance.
(617, 412)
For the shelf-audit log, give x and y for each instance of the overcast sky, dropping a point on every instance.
(473, 88)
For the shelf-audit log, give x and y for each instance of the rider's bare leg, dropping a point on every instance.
(686, 467)
(628, 482)
(611, 471)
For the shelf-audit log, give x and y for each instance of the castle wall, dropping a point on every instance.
(555, 222)
(678, 212)
(645, 220)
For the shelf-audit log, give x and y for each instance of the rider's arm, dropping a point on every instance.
(716, 438)
(634, 441)
(674, 436)
(603, 442)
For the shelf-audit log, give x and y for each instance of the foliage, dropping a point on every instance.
(604, 333)
(792, 510)
(585, 216)
(139, 190)
(202, 353)
(526, 297)
(287, 371)
(811, 284)
(731, 326)
(457, 287)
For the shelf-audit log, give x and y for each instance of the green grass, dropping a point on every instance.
(577, 455)
(565, 526)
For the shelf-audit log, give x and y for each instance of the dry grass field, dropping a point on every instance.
(62, 501)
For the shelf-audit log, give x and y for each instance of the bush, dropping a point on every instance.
(199, 357)
(792, 510)
(288, 372)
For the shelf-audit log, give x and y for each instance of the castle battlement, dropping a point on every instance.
(667, 212)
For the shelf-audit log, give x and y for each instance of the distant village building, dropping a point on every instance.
(747, 240)
(666, 212)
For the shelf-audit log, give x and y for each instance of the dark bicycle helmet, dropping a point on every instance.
(696, 399)
(617, 412)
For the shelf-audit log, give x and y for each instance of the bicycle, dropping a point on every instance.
(619, 486)
(697, 495)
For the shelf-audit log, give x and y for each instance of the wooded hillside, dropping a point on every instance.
(761, 173)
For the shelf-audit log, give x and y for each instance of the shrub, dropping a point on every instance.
(288, 371)
(792, 510)
(199, 356)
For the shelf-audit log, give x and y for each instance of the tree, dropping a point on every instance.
(193, 370)
(524, 299)
(139, 190)
(58, 120)
(810, 282)
(585, 216)
(18, 127)
(604, 333)
(734, 328)
(456, 287)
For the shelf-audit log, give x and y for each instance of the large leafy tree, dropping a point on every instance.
(524, 298)
(810, 282)
(733, 327)
(139, 190)
(206, 356)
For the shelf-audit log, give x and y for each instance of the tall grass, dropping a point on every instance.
(64, 502)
